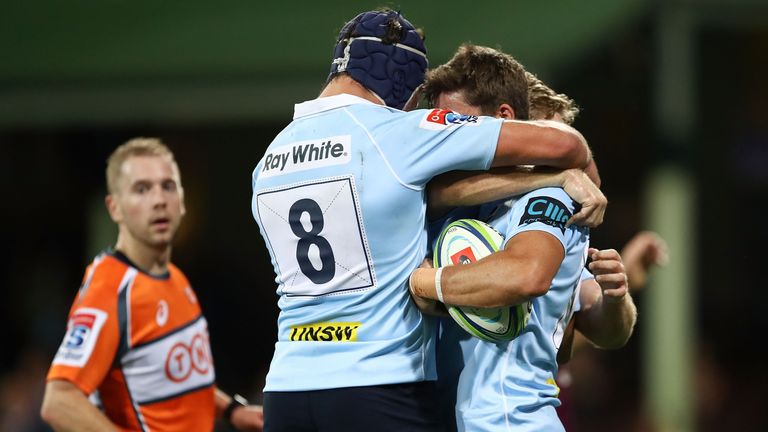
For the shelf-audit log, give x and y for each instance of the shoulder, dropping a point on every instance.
(551, 192)
(547, 206)
(176, 274)
(373, 116)
(103, 279)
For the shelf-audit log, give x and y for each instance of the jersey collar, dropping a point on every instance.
(120, 256)
(326, 103)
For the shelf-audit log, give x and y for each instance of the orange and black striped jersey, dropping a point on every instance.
(142, 342)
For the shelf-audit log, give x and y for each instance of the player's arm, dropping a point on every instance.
(468, 188)
(541, 143)
(608, 314)
(425, 305)
(84, 357)
(641, 253)
(67, 408)
(511, 276)
(246, 417)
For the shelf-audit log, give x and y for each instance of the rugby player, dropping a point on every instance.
(339, 196)
(137, 341)
(511, 386)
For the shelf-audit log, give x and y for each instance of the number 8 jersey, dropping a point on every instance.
(339, 198)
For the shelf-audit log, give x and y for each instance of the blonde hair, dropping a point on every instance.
(135, 147)
(545, 103)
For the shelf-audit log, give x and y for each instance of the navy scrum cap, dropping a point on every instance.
(382, 51)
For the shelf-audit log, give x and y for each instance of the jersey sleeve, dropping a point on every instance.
(92, 336)
(427, 143)
(546, 209)
(585, 276)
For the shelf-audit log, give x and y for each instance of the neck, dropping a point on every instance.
(345, 84)
(150, 259)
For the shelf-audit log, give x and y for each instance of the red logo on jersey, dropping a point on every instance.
(437, 116)
(464, 256)
(183, 359)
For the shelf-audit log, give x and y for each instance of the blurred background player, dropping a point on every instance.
(481, 80)
(136, 339)
(339, 199)
(644, 251)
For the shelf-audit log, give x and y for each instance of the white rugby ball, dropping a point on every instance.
(465, 241)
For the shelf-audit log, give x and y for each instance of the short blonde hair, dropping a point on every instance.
(135, 147)
(545, 103)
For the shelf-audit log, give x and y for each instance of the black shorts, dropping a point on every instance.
(397, 407)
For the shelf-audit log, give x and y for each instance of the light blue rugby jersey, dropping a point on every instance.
(455, 347)
(511, 386)
(339, 199)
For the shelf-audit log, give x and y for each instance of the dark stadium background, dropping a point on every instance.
(673, 101)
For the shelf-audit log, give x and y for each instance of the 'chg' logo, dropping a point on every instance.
(546, 210)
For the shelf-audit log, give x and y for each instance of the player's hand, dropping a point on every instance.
(593, 203)
(248, 418)
(643, 251)
(609, 273)
(429, 306)
(426, 305)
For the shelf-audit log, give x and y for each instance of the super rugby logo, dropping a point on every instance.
(304, 155)
(546, 210)
(184, 359)
(439, 119)
(82, 332)
(80, 329)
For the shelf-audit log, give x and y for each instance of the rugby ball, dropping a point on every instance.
(465, 241)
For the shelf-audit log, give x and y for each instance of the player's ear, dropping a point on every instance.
(114, 210)
(505, 112)
(183, 208)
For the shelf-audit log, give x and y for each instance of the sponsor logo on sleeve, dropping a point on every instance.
(439, 119)
(82, 333)
(546, 210)
(326, 332)
(304, 155)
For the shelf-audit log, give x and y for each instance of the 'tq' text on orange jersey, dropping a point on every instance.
(142, 342)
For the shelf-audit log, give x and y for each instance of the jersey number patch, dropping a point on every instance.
(317, 237)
